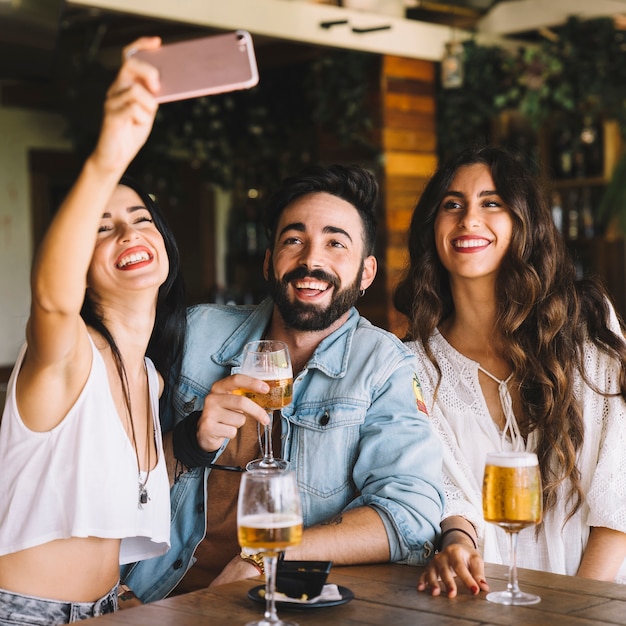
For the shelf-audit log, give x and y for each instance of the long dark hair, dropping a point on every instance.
(544, 314)
(165, 347)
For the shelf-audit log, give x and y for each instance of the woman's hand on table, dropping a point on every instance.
(455, 561)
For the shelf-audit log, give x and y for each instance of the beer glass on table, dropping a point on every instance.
(269, 520)
(269, 361)
(512, 499)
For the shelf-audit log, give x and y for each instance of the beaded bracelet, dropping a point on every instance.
(460, 530)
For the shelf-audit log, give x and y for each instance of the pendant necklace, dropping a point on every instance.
(143, 496)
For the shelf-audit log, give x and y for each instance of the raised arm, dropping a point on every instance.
(58, 358)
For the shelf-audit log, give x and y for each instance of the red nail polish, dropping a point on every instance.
(474, 589)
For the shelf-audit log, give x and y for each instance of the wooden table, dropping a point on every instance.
(386, 594)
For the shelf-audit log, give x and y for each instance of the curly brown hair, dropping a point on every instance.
(543, 312)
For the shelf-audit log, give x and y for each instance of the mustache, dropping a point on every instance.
(302, 272)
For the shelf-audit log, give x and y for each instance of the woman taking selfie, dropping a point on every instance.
(83, 481)
(517, 355)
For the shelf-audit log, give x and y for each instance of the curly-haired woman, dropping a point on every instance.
(516, 354)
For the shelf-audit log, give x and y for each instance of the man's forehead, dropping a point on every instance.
(300, 227)
(320, 211)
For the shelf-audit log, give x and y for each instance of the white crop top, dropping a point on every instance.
(80, 479)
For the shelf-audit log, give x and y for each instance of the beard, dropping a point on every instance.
(310, 317)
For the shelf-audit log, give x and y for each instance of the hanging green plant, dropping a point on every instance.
(583, 70)
(339, 95)
(537, 88)
(577, 76)
(465, 114)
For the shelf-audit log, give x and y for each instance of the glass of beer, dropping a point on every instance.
(269, 361)
(269, 520)
(512, 499)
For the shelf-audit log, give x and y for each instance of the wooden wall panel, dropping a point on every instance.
(409, 102)
(396, 139)
(402, 102)
(409, 120)
(399, 213)
(415, 69)
(410, 164)
(409, 147)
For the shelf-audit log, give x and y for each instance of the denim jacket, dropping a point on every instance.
(354, 434)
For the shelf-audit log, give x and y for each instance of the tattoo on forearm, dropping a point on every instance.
(333, 521)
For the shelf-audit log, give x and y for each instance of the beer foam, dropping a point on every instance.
(512, 459)
(273, 520)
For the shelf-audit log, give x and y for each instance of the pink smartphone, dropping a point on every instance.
(204, 66)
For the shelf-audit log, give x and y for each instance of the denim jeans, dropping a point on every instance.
(17, 609)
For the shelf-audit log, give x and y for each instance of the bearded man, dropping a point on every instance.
(367, 463)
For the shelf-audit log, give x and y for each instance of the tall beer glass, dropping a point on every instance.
(269, 520)
(512, 499)
(269, 361)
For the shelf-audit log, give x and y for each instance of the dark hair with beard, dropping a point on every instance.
(302, 316)
(165, 347)
(544, 314)
(351, 183)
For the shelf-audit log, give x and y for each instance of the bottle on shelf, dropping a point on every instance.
(586, 214)
(592, 147)
(246, 234)
(579, 269)
(578, 161)
(251, 227)
(572, 216)
(563, 153)
(557, 212)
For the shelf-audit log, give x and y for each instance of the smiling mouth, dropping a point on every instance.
(132, 259)
(310, 287)
(313, 285)
(470, 243)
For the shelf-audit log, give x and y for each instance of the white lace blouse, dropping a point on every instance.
(463, 422)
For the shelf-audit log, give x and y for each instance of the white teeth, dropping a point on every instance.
(137, 257)
(312, 285)
(470, 243)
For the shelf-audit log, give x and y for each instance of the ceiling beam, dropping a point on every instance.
(295, 20)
